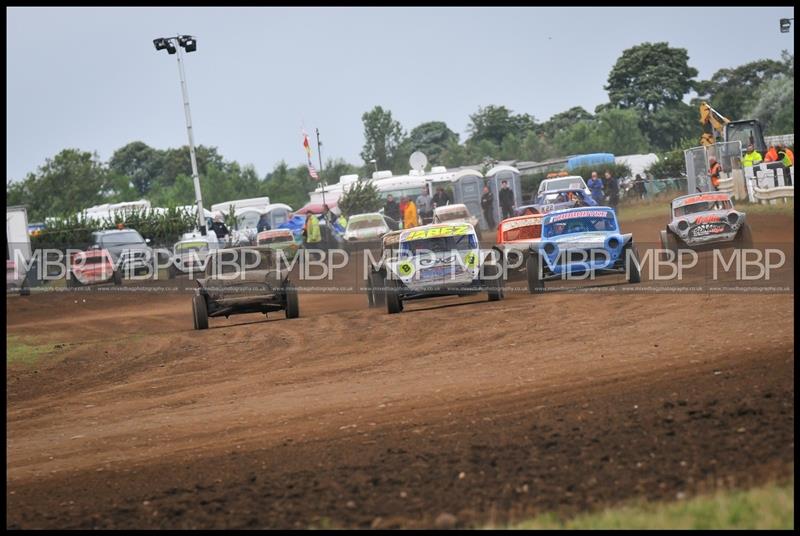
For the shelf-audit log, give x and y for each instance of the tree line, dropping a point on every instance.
(645, 112)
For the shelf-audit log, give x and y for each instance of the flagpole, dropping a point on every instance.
(319, 153)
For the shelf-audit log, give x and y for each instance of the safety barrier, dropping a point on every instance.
(772, 195)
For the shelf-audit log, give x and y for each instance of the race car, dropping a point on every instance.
(581, 241)
(452, 214)
(440, 260)
(365, 230)
(551, 200)
(376, 272)
(92, 267)
(243, 280)
(515, 236)
(279, 240)
(705, 221)
(190, 254)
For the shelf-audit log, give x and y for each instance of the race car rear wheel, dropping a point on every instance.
(744, 239)
(394, 304)
(73, 282)
(117, 277)
(669, 242)
(495, 282)
(172, 271)
(199, 312)
(292, 303)
(634, 275)
(377, 289)
(532, 267)
(370, 291)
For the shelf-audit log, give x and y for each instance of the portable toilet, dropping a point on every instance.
(494, 178)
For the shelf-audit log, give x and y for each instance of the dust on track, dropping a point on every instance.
(349, 417)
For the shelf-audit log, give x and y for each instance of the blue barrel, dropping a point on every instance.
(594, 159)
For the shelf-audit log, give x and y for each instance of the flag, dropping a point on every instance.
(312, 171)
(306, 145)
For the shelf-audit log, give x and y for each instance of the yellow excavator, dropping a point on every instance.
(716, 126)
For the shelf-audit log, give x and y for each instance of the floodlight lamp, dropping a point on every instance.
(188, 42)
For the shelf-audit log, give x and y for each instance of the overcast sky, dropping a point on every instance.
(90, 78)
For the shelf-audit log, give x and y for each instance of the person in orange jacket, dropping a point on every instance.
(772, 154)
(410, 214)
(714, 171)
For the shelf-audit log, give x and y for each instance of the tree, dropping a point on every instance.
(613, 130)
(360, 197)
(734, 91)
(432, 138)
(666, 127)
(289, 185)
(650, 76)
(138, 161)
(70, 181)
(382, 137)
(774, 106)
(564, 120)
(494, 123)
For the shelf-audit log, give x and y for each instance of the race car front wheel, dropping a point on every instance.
(532, 267)
(394, 304)
(494, 282)
(744, 239)
(117, 277)
(370, 291)
(292, 303)
(632, 271)
(377, 289)
(199, 312)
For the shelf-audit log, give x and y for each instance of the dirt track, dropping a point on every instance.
(351, 417)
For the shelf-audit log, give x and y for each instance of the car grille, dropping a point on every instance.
(582, 256)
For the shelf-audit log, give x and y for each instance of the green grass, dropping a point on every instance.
(768, 507)
(659, 207)
(25, 351)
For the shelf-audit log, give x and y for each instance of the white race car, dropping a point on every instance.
(440, 260)
(452, 214)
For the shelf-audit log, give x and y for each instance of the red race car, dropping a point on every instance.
(93, 267)
(515, 236)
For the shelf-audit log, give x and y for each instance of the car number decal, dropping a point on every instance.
(436, 232)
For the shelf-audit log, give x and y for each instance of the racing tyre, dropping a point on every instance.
(117, 278)
(634, 275)
(172, 271)
(73, 282)
(393, 302)
(377, 289)
(370, 291)
(24, 291)
(532, 265)
(495, 284)
(669, 242)
(744, 240)
(199, 312)
(292, 303)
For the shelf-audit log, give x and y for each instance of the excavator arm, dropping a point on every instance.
(713, 124)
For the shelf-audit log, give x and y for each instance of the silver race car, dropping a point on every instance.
(705, 221)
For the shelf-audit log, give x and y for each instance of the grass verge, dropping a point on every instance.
(21, 351)
(768, 507)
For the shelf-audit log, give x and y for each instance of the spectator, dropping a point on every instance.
(391, 208)
(612, 190)
(596, 186)
(487, 205)
(440, 198)
(506, 198)
(786, 156)
(638, 186)
(263, 223)
(751, 157)
(218, 226)
(424, 206)
(714, 172)
(311, 233)
(409, 214)
(772, 154)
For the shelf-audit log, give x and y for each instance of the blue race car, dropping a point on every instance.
(551, 200)
(581, 241)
